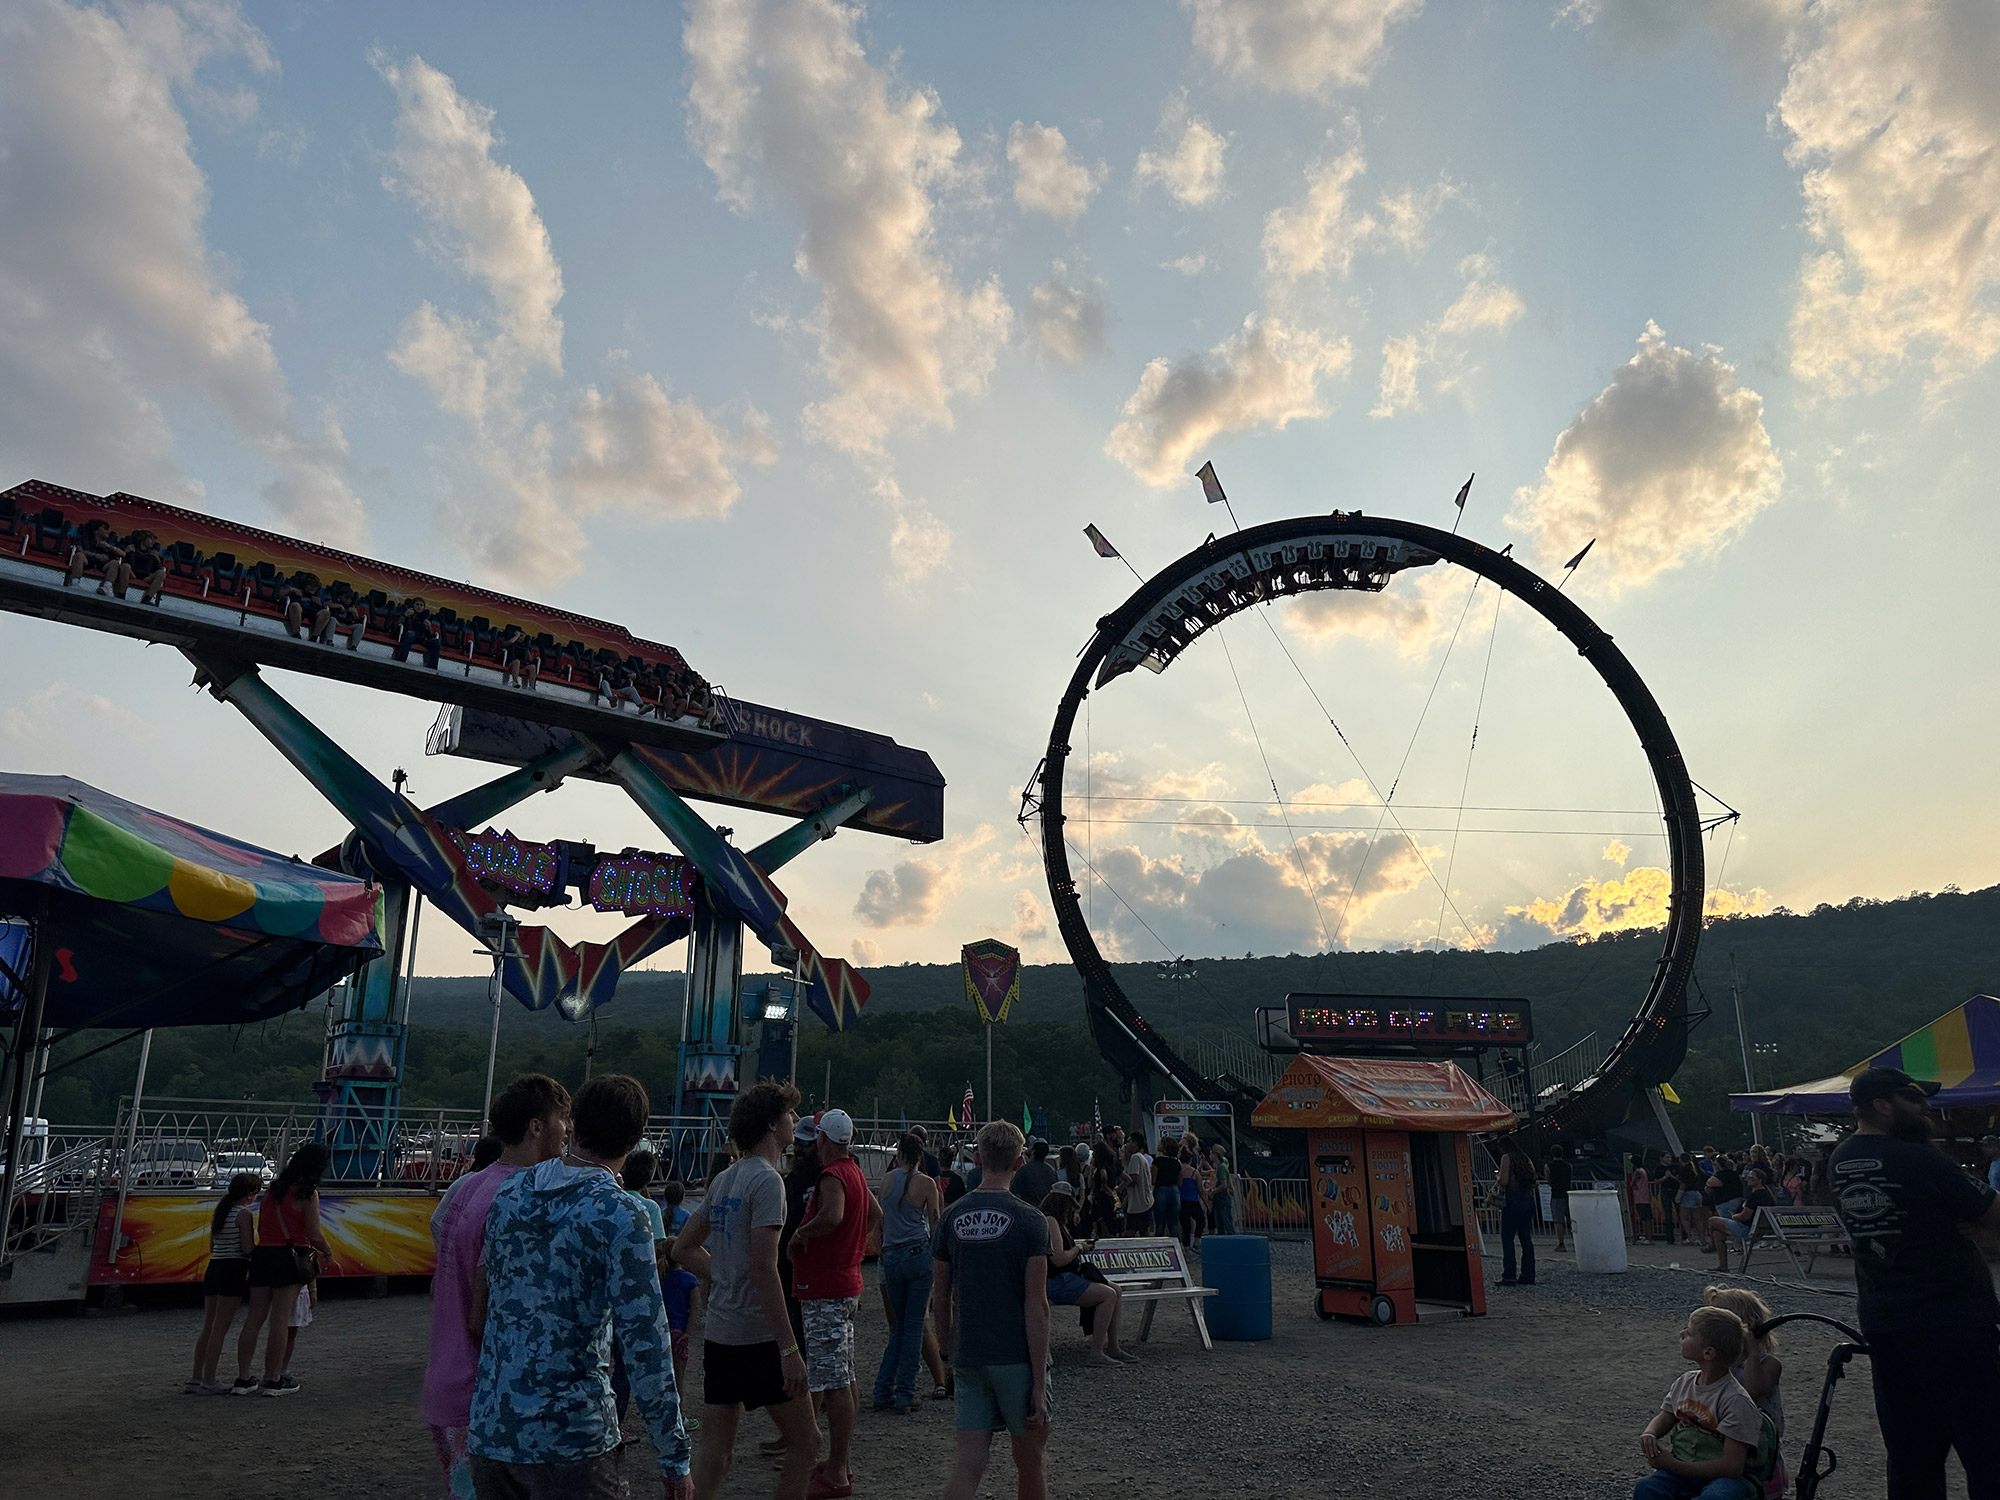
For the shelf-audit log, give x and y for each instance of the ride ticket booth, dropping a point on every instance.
(1389, 1173)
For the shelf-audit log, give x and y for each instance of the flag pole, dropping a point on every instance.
(989, 1072)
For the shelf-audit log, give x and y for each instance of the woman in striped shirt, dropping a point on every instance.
(231, 1234)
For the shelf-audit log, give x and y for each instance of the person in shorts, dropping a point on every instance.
(826, 1278)
(990, 1300)
(1560, 1179)
(750, 1356)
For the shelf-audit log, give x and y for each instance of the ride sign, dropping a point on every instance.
(1412, 1020)
(1191, 1107)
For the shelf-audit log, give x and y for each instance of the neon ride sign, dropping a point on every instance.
(637, 882)
(1410, 1020)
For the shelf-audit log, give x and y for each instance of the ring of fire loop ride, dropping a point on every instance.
(1262, 564)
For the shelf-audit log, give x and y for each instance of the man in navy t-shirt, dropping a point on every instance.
(992, 1251)
(1927, 1305)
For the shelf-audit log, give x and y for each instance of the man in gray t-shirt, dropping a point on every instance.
(749, 1357)
(745, 1198)
(990, 1300)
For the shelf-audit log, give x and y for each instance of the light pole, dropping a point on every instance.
(1743, 1041)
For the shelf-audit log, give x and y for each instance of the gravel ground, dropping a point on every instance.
(1543, 1399)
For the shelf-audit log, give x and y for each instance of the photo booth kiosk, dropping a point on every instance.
(1389, 1169)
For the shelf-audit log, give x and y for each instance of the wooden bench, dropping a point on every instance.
(1152, 1271)
(1792, 1229)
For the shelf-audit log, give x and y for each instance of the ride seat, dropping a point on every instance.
(51, 535)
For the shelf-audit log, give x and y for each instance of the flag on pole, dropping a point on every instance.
(1097, 1116)
(1571, 565)
(905, 1127)
(1465, 489)
(965, 1109)
(1027, 1120)
(1101, 542)
(1210, 485)
(992, 978)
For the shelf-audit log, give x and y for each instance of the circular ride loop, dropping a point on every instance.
(1264, 564)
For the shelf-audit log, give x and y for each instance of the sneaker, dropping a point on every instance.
(243, 1385)
(284, 1385)
(193, 1388)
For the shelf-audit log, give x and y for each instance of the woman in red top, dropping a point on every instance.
(287, 1223)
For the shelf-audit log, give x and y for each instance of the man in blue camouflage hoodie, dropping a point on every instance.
(569, 1261)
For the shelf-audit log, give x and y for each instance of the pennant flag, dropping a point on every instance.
(965, 1109)
(904, 1126)
(1210, 485)
(1465, 490)
(1570, 566)
(1097, 1116)
(1027, 1120)
(992, 977)
(1101, 542)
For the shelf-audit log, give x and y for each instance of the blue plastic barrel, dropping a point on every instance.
(1238, 1266)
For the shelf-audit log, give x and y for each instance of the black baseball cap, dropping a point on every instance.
(1871, 1084)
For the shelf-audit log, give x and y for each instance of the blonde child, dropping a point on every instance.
(1705, 1442)
(1760, 1370)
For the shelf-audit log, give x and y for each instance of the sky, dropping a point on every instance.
(809, 337)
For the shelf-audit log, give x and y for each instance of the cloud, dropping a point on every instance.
(1322, 232)
(781, 93)
(915, 892)
(1191, 171)
(1187, 265)
(1254, 898)
(112, 305)
(1067, 322)
(1267, 374)
(481, 215)
(1617, 851)
(1296, 46)
(1415, 613)
(1669, 462)
(639, 448)
(1047, 179)
(1896, 122)
(1031, 918)
(1636, 899)
(867, 952)
(1487, 305)
(630, 446)
(42, 716)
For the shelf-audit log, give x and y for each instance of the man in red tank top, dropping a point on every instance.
(826, 1278)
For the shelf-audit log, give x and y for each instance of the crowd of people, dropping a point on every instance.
(562, 1290)
(566, 1286)
(335, 613)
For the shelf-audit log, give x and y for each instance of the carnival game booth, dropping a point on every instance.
(1389, 1168)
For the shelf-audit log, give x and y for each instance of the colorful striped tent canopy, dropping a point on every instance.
(1960, 1050)
(157, 922)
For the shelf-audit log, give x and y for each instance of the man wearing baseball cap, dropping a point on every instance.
(1927, 1305)
(826, 1278)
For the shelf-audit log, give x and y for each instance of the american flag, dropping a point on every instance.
(965, 1109)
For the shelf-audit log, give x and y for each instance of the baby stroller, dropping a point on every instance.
(1806, 1481)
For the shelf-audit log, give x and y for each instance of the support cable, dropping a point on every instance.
(1312, 891)
(1465, 783)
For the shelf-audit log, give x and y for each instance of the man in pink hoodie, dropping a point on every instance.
(531, 1115)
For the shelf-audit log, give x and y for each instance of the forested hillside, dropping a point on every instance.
(1824, 987)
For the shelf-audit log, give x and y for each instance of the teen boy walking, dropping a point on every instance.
(991, 1302)
(750, 1357)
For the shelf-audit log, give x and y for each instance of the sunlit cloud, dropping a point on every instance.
(1296, 46)
(1670, 462)
(1639, 898)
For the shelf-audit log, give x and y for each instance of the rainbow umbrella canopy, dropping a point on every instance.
(155, 922)
(1960, 1050)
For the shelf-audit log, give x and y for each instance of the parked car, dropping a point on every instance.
(170, 1161)
(228, 1163)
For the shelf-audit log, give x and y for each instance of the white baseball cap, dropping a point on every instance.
(837, 1125)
